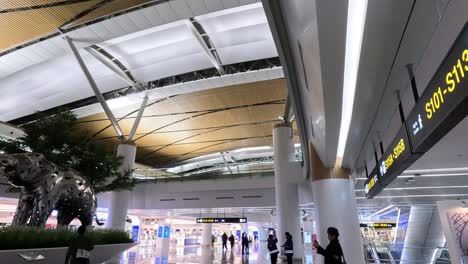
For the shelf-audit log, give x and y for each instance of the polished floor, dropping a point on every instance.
(149, 253)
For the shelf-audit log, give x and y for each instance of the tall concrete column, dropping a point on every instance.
(287, 174)
(206, 236)
(118, 201)
(335, 206)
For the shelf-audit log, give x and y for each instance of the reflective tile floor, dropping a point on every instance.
(149, 253)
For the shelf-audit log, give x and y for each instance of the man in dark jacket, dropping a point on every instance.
(232, 240)
(333, 253)
(225, 239)
(273, 248)
(80, 247)
(288, 247)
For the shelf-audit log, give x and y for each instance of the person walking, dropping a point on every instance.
(273, 248)
(224, 238)
(232, 240)
(245, 244)
(288, 247)
(80, 248)
(333, 253)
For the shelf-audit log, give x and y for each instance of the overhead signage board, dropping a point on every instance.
(397, 158)
(441, 107)
(222, 220)
(372, 184)
(444, 102)
(378, 225)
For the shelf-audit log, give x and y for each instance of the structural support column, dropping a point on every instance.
(206, 236)
(118, 201)
(287, 174)
(335, 206)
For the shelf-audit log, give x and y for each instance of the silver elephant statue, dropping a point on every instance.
(44, 188)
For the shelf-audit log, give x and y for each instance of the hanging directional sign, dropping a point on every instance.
(441, 107)
(222, 220)
(444, 102)
(397, 158)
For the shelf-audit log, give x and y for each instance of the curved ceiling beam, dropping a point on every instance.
(195, 150)
(210, 112)
(203, 128)
(135, 111)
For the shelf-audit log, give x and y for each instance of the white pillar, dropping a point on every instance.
(286, 191)
(118, 201)
(335, 206)
(206, 236)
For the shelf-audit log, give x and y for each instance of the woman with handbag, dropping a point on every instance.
(333, 253)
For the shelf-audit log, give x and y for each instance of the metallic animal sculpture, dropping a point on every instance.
(44, 188)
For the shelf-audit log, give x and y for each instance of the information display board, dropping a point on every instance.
(372, 184)
(444, 102)
(397, 158)
(378, 225)
(222, 220)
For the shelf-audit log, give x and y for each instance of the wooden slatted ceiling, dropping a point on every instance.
(22, 26)
(244, 118)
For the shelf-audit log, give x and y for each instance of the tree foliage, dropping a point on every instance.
(53, 136)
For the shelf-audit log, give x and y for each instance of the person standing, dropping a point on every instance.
(333, 253)
(224, 237)
(80, 248)
(273, 248)
(232, 240)
(288, 247)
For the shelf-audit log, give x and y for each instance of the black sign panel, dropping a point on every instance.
(378, 225)
(444, 102)
(397, 158)
(222, 220)
(372, 184)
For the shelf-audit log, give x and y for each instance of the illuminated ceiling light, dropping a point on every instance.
(252, 149)
(436, 170)
(416, 196)
(420, 188)
(354, 31)
(381, 211)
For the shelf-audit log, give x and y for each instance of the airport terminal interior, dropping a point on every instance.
(234, 131)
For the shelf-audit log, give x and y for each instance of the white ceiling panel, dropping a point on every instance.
(240, 34)
(214, 5)
(166, 12)
(139, 20)
(230, 3)
(198, 8)
(247, 52)
(181, 8)
(47, 75)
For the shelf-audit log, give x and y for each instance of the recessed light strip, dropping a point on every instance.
(416, 196)
(420, 188)
(354, 31)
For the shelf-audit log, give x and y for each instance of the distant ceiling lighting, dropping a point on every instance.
(251, 149)
(381, 210)
(436, 170)
(416, 196)
(354, 31)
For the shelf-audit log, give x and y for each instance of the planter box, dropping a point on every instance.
(100, 254)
